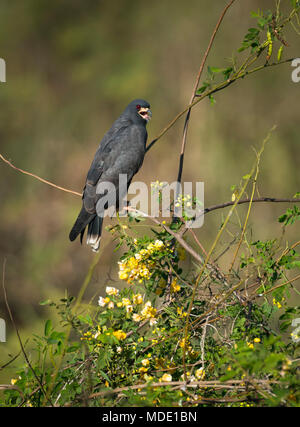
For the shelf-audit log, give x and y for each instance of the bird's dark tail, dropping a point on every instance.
(94, 233)
(94, 223)
(83, 219)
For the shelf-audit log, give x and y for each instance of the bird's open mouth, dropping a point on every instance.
(145, 113)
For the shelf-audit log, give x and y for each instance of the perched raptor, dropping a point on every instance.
(121, 151)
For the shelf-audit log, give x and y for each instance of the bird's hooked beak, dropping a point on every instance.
(145, 113)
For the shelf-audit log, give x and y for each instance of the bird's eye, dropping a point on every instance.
(138, 107)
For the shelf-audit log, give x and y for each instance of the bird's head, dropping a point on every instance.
(139, 109)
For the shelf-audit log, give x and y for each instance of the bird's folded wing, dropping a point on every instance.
(122, 154)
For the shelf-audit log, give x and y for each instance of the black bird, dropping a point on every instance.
(121, 151)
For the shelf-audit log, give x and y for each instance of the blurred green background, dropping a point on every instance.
(72, 67)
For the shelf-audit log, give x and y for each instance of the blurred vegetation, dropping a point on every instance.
(71, 68)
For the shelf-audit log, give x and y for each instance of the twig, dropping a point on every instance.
(39, 178)
(255, 200)
(10, 361)
(231, 384)
(202, 342)
(281, 284)
(11, 387)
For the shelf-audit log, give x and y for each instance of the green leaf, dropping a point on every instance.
(203, 88)
(86, 319)
(73, 347)
(216, 69)
(48, 327)
(104, 375)
(212, 99)
(227, 72)
(247, 176)
(290, 216)
(45, 302)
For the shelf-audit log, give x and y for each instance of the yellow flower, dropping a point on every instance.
(144, 272)
(159, 244)
(120, 335)
(126, 301)
(250, 345)
(136, 317)
(137, 299)
(200, 374)
(256, 340)
(13, 381)
(148, 311)
(277, 303)
(119, 304)
(123, 275)
(174, 286)
(188, 374)
(143, 369)
(143, 252)
(111, 291)
(166, 378)
(181, 312)
(129, 308)
(182, 343)
(132, 263)
(151, 248)
(145, 362)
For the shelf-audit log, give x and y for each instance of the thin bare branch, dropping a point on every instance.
(255, 200)
(39, 178)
